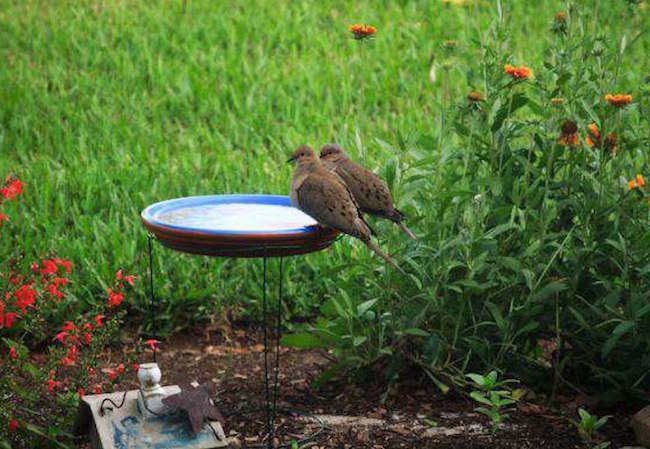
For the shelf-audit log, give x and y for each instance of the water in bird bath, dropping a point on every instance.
(237, 217)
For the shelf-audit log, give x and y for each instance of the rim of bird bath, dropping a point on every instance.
(239, 225)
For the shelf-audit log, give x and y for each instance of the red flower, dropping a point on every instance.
(60, 281)
(53, 385)
(66, 264)
(12, 188)
(60, 337)
(49, 267)
(136, 367)
(97, 389)
(153, 344)
(3, 217)
(81, 392)
(120, 368)
(53, 290)
(112, 375)
(99, 320)
(88, 327)
(9, 319)
(114, 298)
(68, 326)
(25, 297)
(130, 279)
(16, 279)
(13, 354)
(87, 338)
(90, 371)
(13, 425)
(66, 361)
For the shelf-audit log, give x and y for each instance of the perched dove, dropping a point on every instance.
(369, 190)
(322, 195)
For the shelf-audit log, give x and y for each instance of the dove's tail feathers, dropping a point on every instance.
(375, 249)
(397, 217)
(408, 232)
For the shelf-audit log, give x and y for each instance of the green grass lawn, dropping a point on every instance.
(108, 106)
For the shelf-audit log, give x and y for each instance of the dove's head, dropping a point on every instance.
(304, 155)
(332, 152)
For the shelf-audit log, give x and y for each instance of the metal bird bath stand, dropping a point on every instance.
(243, 226)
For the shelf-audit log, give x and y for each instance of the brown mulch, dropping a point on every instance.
(410, 415)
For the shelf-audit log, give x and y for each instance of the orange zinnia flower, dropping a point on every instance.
(569, 134)
(360, 31)
(593, 139)
(518, 72)
(636, 183)
(618, 100)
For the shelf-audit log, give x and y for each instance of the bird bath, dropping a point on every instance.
(236, 226)
(220, 226)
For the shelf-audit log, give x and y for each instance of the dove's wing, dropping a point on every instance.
(326, 199)
(369, 190)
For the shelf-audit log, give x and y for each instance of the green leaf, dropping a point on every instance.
(417, 332)
(478, 397)
(623, 328)
(359, 340)
(550, 289)
(365, 306)
(477, 379)
(507, 109)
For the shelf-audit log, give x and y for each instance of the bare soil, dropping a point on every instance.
(412, 414)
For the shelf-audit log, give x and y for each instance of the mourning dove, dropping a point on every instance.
(369, 190)
(323, 196)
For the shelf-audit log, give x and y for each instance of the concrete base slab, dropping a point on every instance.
(128, 428)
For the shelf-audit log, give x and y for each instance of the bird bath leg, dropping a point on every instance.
(271, 393)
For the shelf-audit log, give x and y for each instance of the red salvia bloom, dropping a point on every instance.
(13, 354)
(54, 291)
(68, 326)
(13, 425)
(25, 297)
(49, 267)
(66, 264)
(88, 338)
(114, 298)
(129, 279)
(99, 320)
(112, 374)
(13, 188)
(152, 344)
(61, 336)
(9, 319)
(53, 385)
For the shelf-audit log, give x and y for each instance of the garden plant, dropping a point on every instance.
(514, 135)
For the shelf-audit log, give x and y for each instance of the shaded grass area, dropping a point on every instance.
(109, 106)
